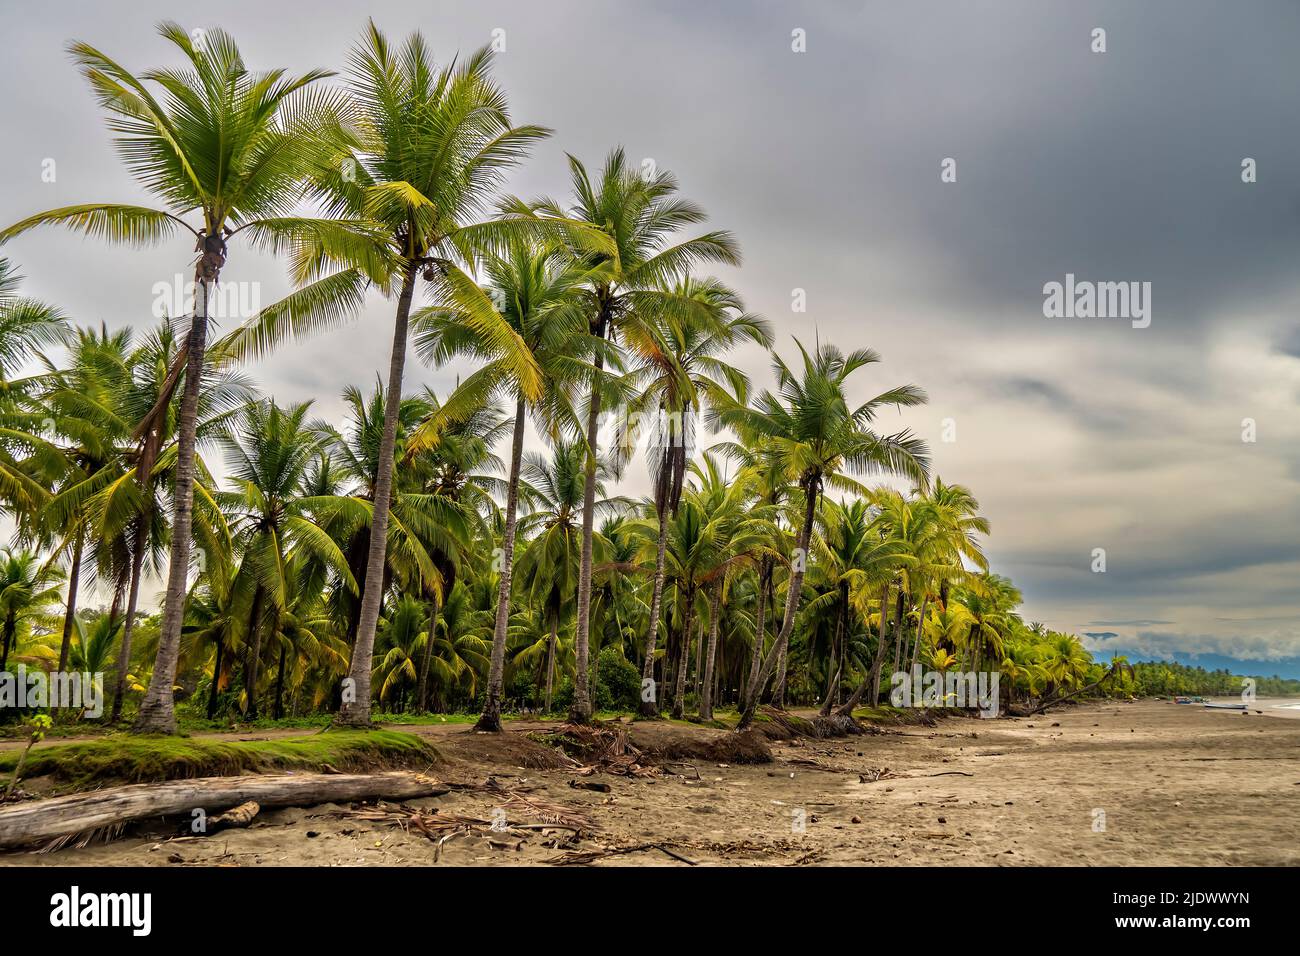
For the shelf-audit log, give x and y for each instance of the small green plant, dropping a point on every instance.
(37, 724)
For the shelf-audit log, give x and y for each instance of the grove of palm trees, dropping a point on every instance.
(470, 576)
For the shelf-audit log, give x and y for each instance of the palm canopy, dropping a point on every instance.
(408, 167)
(813, 432)
(536, 288)
(211, 141)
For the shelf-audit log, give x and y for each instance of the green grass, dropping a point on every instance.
(131, 759)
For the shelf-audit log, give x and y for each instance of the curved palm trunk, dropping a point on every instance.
(580, 712)
(355, 709)
(491, 718)
(254, 659)
(74, 581)
(128, 626)
(706, 694)
(157, 710)
(791, 607)
(650, 708)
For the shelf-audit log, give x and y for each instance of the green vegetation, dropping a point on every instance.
(397, 565)
(131, 758)
(1164, 678)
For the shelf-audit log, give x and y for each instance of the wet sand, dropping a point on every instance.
(1178, 785)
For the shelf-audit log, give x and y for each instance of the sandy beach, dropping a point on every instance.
(1178, 785)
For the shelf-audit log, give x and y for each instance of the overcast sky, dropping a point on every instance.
(1123, 165)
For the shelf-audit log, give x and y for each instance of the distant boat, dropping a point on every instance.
(1190, 700)
(1225, 706)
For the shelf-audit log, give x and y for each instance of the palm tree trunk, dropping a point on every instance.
(683, 655)
(422, 693)
(838, 649)
(157, 710)
(279, 686)
(133, 596)
(920, 631)
(355, 709)
(216, 679)
(74, 580)
(491, 718)
(791, 607)
(706, 698)
(580, 712)
(760, 632)
(11, 628)
(253, 654)
(872, 682)
(650, 708)
(550, 661)
(778, 682)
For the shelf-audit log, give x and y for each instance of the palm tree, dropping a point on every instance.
(414, 163)
(269, 450)
(818, 436)
(535, 289)
(550, 563)
(632, 283)
(678, 370)
(27, 588)
(229, 145)
(851, 557)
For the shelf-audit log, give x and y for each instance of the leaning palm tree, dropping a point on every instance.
(535, 288)
(632, 284)
(417, 160)
(225, 145)
(817, 435)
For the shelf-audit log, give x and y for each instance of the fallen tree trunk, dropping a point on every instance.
(37, 820)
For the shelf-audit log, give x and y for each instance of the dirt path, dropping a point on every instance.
(1177, 786)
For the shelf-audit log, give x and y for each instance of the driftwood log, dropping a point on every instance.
(37, 820)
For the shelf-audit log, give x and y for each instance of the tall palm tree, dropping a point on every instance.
(678, 371)
(225, 144)
(416, 161)
(817, 435)
(632, 284)
(535, 288)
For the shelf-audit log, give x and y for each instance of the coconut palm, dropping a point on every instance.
(632, 284)
(535, 288)
(227, 146)
(817, 435)
(677, 371)
(269, 449)
(412, 165)
(27, 588)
